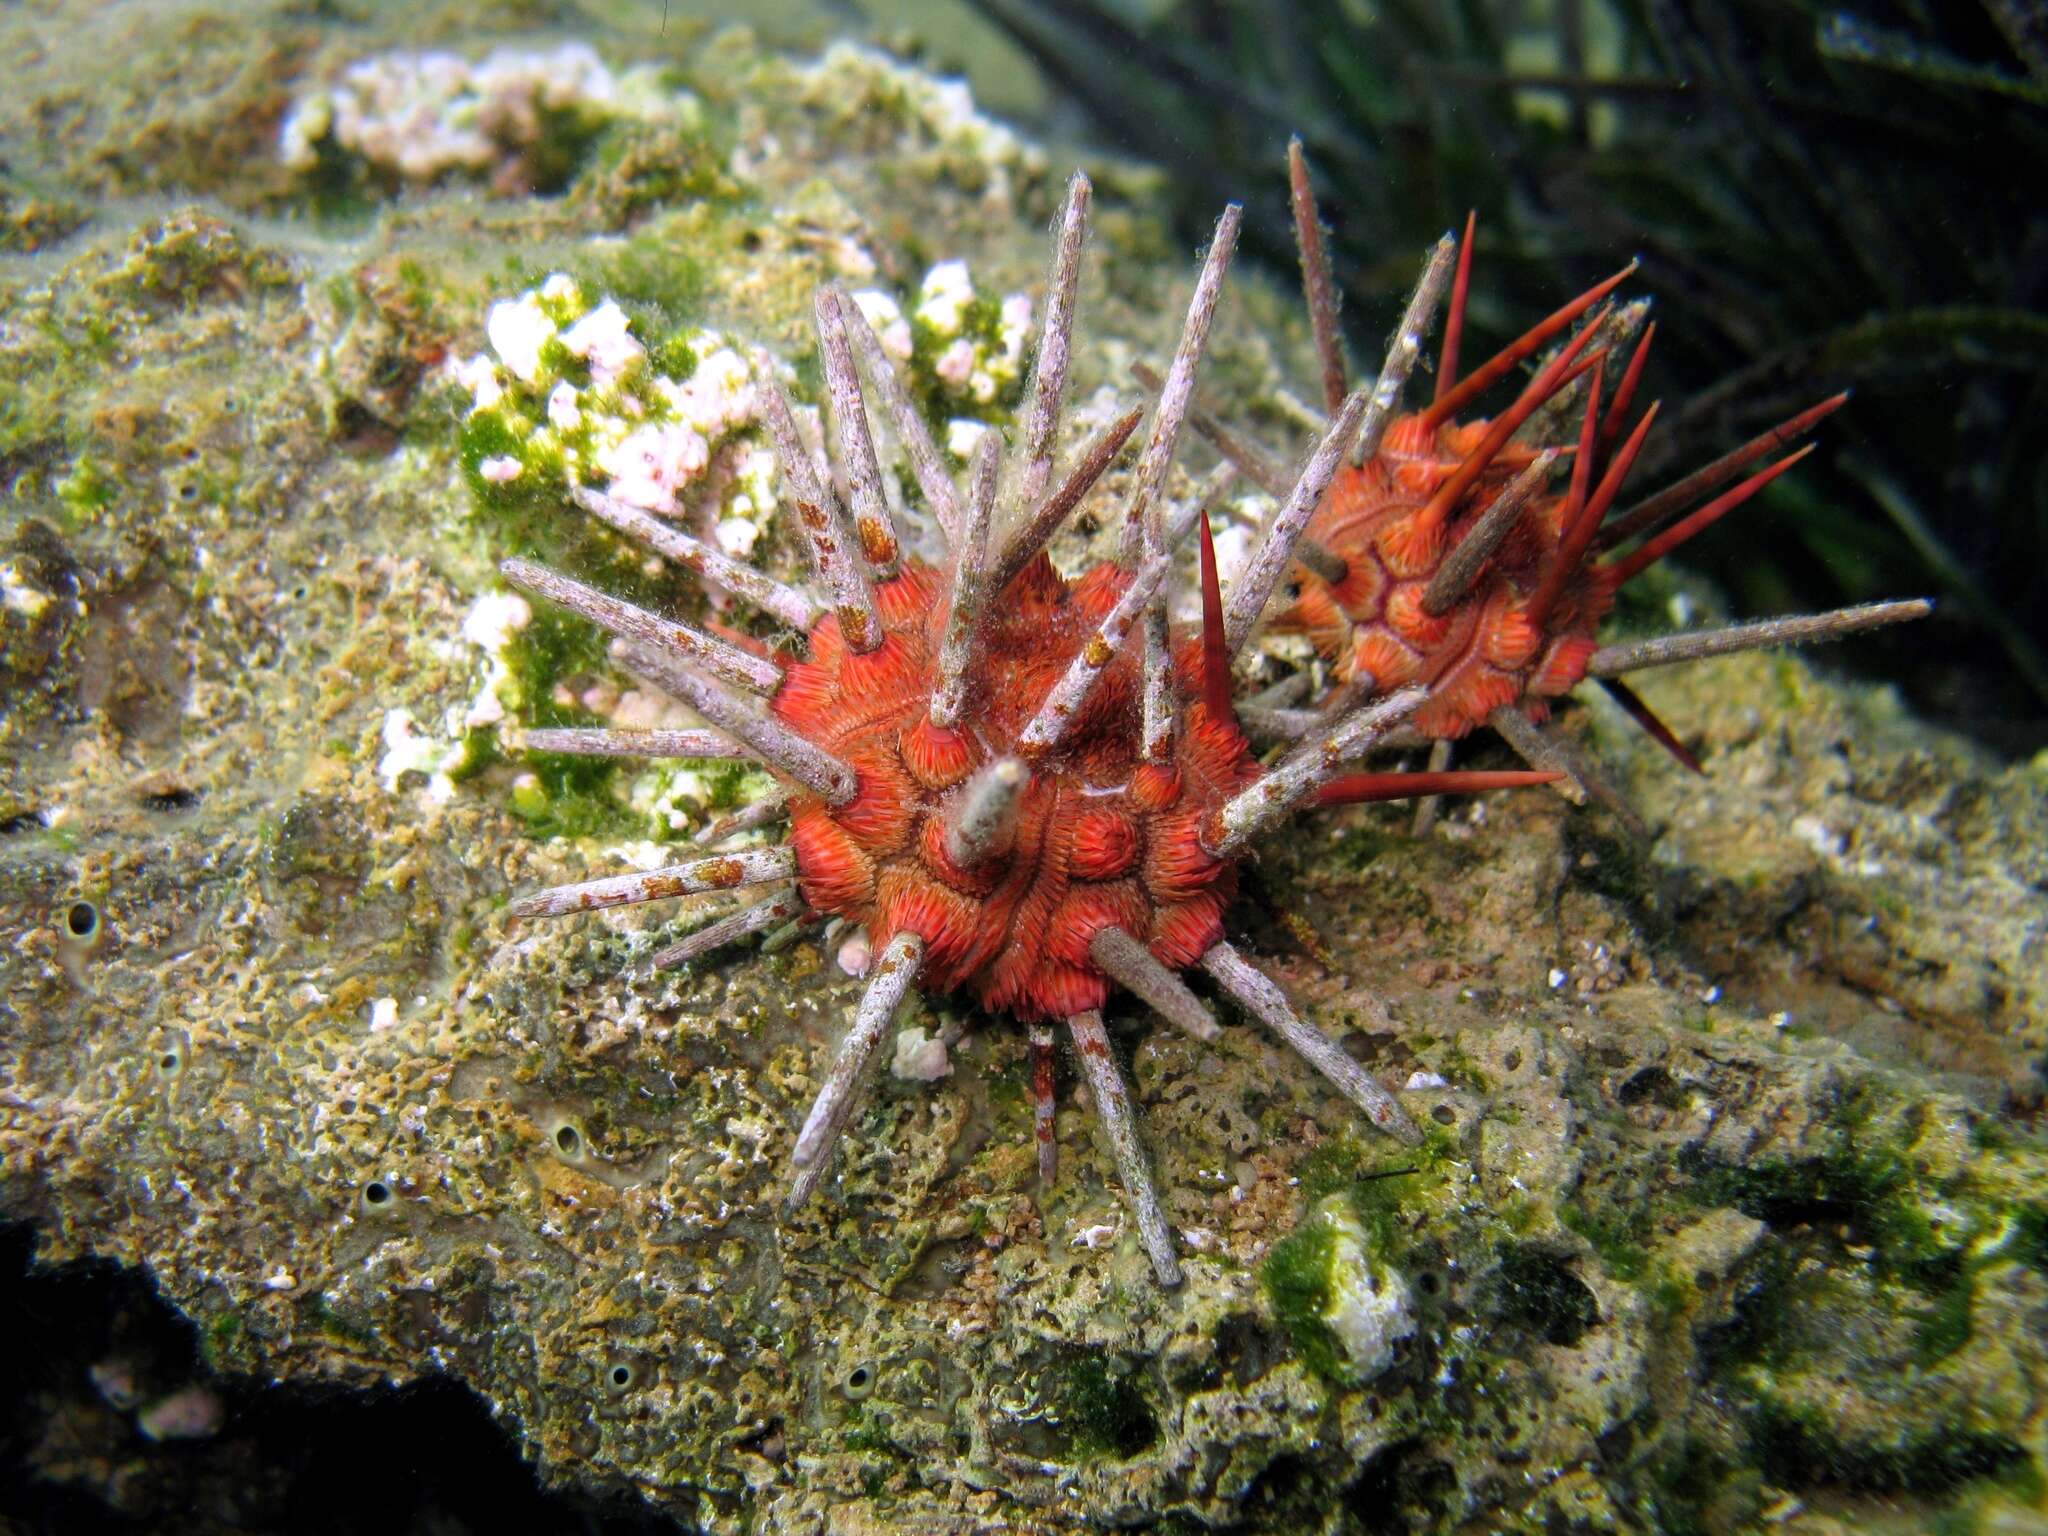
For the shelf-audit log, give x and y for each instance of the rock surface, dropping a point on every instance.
(1729, 1210)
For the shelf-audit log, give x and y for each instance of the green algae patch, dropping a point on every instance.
(189, 258)
(567, 795)
(1857, 1181)
(1797, 1447)
(638, 168)
(1378, 1178)
(30, 222)
(1538, 1292)
(1296, 1277)
(1617, 1235)
(1331, 1287)
(1102, 1408)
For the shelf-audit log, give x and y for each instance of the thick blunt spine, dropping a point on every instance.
(1403, 349)
(965, 604)
(981, 819)
(1316, 285)
(1262, 998)
(1147, 511)
(1465, 564)
(1138, 971)
(926, 465)
(794, 608)
(597, 741)
(1805, 629)
(889, 986)
(871, 521)
(722, 872)
(1302, 772)
(1548, 751)
(1113, 1104)
(1063, 703)
(688, 645)
(1037, 530)
(834, 555)
(1055, 346)
(1282, 534)
(765, 736)
(729, 930)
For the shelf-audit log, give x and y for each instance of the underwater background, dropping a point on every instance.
(338, 1201)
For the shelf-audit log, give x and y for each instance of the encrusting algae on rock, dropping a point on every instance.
(1666, 1262)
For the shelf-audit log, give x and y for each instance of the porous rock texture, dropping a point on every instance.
(1730, 1207)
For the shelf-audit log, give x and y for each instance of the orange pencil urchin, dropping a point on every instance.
(1446, 558)
(1016, 804)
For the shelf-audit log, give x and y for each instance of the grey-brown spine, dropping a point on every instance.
(967, 600)
(786, 603)
(689, 645)
(1464, 565)
(1263, 999)
(1254, 586)
(765, 736)
(1032, 535)
(889, 986)
(599, 741)
(720, 872)
(1055, 347)
(1804, 629)
(871, 522)
(925, 463)
(1317, 288)
(1135, 968)
(1146, 515)
(1404, 349)
(981, 818)
(1302, 771)
(1547, 750)
(835, 552)
(1064, 701)
(1113, 1107)
(729, 930)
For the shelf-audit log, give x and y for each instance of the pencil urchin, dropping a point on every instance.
(1444, 556)
(1013, 802)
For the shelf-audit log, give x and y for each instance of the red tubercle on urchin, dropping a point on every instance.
(1101, 836)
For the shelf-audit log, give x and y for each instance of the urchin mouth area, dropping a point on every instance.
(1016, 802)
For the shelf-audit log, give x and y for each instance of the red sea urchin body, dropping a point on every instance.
(1483, 651)
(1101, 837)
(1445, 561)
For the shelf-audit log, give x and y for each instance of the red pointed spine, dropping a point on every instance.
(1215, 652)
(1580, 534)
(1454, 318)
(1370, 788)
(1633, 565)
(1646, 717)
(1559, 372)
(1497, 367)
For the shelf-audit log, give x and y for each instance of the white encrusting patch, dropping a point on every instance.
(919, 1058)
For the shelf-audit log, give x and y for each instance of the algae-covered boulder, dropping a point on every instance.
(1724, 1211)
